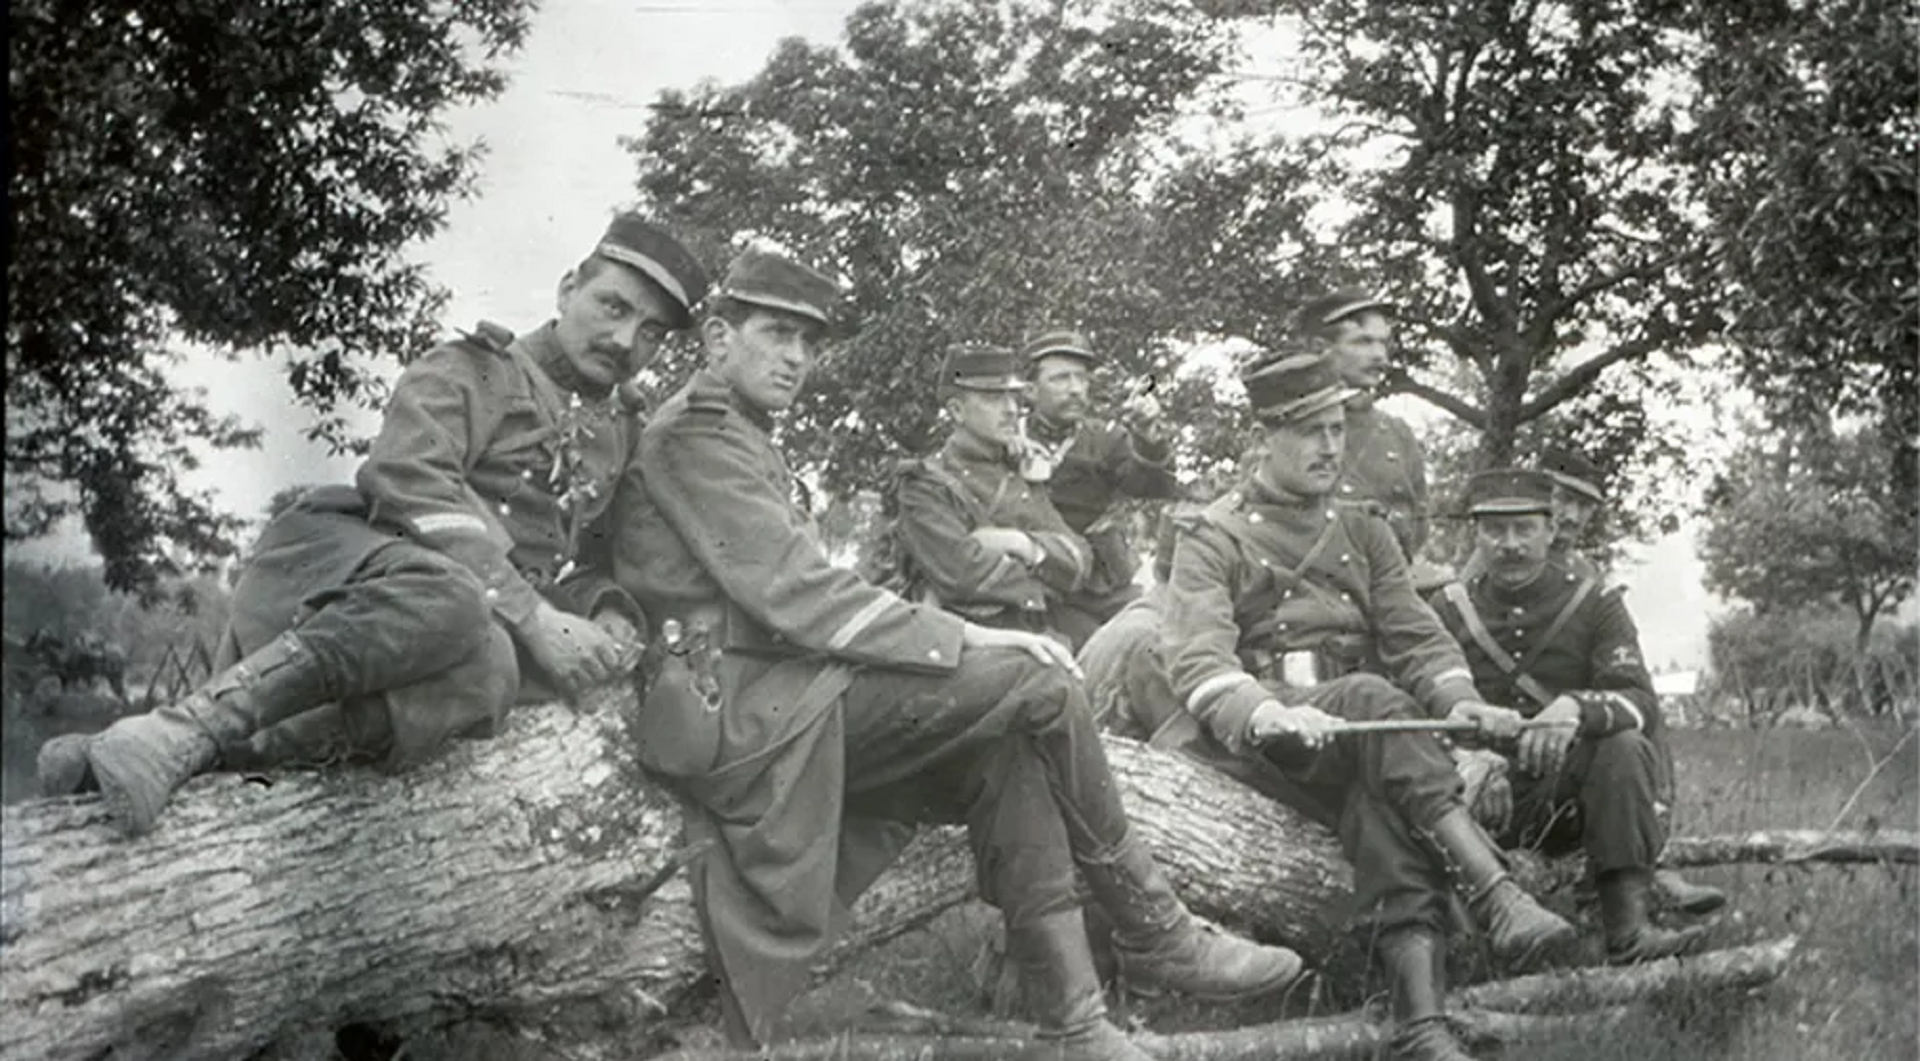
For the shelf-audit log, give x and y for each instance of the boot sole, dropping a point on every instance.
(1704, 905)
(1687, 942)
(1149, 992)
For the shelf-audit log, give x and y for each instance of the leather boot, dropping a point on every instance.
(141, 761)
(1519, 929)
(1415, 962)
(328, 734)
(1160, 945)
(1063, 992)
(1631, 935)
(61, 767)
(1679, 893)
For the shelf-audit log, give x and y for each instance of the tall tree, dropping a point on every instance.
(1805, 518)
(974, 171)
(1809, 147)
(242, 175)
(1508, 175)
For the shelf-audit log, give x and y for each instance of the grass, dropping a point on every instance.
(1851, 994)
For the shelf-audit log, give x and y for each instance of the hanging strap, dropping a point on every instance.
(1477, 629)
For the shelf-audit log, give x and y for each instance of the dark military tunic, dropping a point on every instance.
(1385, 471)
(1094, 466)
(1616, 771)
(482, 492)
(968, 486)
(843, 713)
(1258, 576)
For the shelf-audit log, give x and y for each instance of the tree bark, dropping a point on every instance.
(530, 878)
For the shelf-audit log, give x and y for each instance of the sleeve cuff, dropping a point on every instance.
(1449, 693)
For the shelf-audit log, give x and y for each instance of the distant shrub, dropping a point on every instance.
(1767, 663)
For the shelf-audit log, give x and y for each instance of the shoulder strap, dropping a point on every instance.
(1456, 593)
(936, 469)
(1580, 595)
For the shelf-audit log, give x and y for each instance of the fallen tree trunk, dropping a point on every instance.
(1794, 845)
(529, 878)
(1572, 1005)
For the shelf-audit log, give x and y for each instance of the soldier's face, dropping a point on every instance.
(1303, 456)
(1060, 388)
(992, 417)
(611, 322)
(766, 357)
(1515, 545)
(1359, 349)
(1572, 511)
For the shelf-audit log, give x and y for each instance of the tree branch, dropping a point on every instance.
(1468, 413)
(1577, 378)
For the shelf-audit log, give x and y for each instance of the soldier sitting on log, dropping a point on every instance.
(812, 717)
(384, 618)
(968, 533)
(1278, 599)
(1564, 651)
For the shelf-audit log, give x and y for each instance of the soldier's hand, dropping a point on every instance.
(1007, 542)
(1143, 414)
(1545, 744)
(1040, 647)
(1311, 727)
(1493, 805)
(573, 651)
(1490, 722)
(625, 632)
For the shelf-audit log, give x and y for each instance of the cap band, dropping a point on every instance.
(654, 270)
(774, 302)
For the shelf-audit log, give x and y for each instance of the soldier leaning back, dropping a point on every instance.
(812, 718)
(383, 618)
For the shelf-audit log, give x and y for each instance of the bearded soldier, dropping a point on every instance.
(812, 717)
(1562, 651)
(379, 620)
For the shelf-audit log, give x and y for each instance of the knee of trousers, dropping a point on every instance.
(468, 698)
(1049, 697)
(1626, 757)
(1366, 697)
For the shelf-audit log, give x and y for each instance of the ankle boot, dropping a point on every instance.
(1415, 962)
(1063, 992)
(141, 761)
(61, 767)
(1160, 945)
(1519, 929)
(1679, 893)
(1631, 934)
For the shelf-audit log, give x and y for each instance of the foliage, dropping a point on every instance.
(1507, 172)
(238, 175)
(974, 172)
(74, 604)
(1770, 661)
(1807, 140)
(1807, 519)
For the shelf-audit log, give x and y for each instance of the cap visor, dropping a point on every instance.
(1309, 405)
(1579, 486)
(1509, 506)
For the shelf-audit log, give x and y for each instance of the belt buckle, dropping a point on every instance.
(1300, 669)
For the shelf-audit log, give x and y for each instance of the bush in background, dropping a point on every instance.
(1765, 664)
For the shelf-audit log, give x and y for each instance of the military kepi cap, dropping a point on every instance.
(1058, 342)
(1292, 387)
(979, 367)
(635, 242)
(1509, 491)
(762, 278)
(1574, 472)
(1336, 306)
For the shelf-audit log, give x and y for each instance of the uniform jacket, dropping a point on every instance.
(1100, 464)
(493, 452)
(1595, 656)
(1232, 603)
(1385, 470)
(968, 485)
(709, 533)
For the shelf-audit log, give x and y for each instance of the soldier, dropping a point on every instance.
(1278, 597)
(1384, 470)
(1560, 650)
(387, 615)
(1088, 467)
(974, 537)
(813, 717)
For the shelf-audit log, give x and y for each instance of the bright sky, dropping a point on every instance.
(553, 175)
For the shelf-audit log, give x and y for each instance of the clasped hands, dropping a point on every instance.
(1544, 740)
(578, 653)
